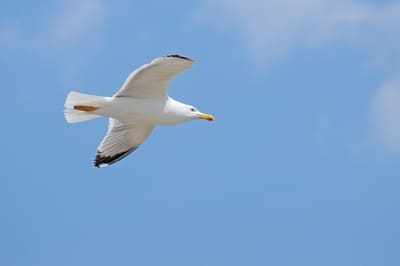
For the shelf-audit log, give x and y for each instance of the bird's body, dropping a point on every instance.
(141, 105)
(154, 111)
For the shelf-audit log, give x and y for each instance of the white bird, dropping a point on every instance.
(136, 109)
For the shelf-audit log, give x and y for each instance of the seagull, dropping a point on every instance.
(136, 109)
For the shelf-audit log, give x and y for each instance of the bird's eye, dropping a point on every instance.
(193, 109)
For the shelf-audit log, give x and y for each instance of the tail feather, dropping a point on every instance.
(75, 115)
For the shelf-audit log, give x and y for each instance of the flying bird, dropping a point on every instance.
(136, 109)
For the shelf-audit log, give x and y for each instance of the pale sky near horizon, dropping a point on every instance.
(301, 166)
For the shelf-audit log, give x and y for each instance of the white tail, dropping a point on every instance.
(72, 115)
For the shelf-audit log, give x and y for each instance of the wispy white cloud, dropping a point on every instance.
(271, 28)
(77, 19)
(67, 24)
(386, 115)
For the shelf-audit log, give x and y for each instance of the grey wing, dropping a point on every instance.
(152, 80)
(121, 140)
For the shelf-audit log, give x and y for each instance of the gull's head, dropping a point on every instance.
(191, 113)
(179, 112)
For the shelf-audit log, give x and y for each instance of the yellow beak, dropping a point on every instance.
(206, 117)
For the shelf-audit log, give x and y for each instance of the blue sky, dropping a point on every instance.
(301, 166)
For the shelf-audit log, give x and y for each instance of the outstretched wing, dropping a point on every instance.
(152, 80)
(121, 140)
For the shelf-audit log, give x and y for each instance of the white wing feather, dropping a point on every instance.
(120, 141)
(152, 80)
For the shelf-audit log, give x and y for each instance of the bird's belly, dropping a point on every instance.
(132, 110)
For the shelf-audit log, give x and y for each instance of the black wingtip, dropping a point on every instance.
(101, 160)
(179, 56)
